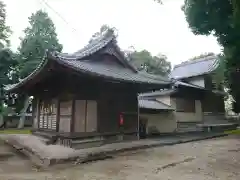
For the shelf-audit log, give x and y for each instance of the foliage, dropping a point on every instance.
(16, 131)
(7, 57)
(5, 31)
(219, 73)
(202, 56)
(234, 132)
(39, 36)
(220, 18)
(7, 63)
(143, 60)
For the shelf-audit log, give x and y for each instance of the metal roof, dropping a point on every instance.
(195, 67)
(153, 104)
(176, 84)
(157, 93)
(180, 83)
(169, 91)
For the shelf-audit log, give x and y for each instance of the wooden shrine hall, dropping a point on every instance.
(89, 97)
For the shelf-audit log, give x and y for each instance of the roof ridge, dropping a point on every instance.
(97, 44)
(92, 47)
(188, 62)
(108, 35)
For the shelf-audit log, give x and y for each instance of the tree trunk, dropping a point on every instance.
(23, 113)
(1, 121)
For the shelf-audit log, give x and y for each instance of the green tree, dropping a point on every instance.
(204, 55)
(39, 36)
(143, 60)
(6, 56)
(5, 30)
(220, 18)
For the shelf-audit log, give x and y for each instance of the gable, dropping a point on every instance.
(164, 99)
(198, 81)
(105, 44)
(110, 55)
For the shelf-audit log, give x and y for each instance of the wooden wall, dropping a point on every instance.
(85, 116)
(65, 115)
(112, 103)
(213, 103)
(87, 104)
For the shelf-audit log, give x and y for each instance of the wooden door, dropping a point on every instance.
(65, 116)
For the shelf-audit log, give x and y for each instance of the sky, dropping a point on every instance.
(142, 24)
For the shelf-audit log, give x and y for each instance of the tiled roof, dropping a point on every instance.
(195, 67)
(112, 72)
(152, 104)
(79, 62)
(92, 47)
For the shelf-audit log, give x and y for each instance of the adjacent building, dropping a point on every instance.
(192, 103)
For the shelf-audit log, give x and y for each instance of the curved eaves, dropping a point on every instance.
(22, 82)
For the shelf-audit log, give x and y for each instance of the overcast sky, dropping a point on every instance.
(143, 24)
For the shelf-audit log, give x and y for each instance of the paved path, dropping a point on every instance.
(45, 155)
(214, 159)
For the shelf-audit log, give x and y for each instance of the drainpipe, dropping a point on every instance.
(138, 137)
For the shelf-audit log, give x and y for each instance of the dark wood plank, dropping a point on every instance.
(58, 115)
(73, 116)
(85, 119)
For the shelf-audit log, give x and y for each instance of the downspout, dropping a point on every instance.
(138, 136)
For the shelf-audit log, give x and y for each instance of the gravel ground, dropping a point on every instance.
(215, 159)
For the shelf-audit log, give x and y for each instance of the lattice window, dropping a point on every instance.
(48, 115)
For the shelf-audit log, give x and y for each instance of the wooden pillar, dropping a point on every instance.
(58, 115)
(73, 116)
(38, 112)
(85, 119)
(138, 116)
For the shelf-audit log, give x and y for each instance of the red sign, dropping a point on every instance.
(121, 120)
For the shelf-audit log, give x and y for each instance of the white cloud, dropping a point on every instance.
(143, 24)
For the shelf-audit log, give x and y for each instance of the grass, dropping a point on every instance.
(15, 131)
(236, 132)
